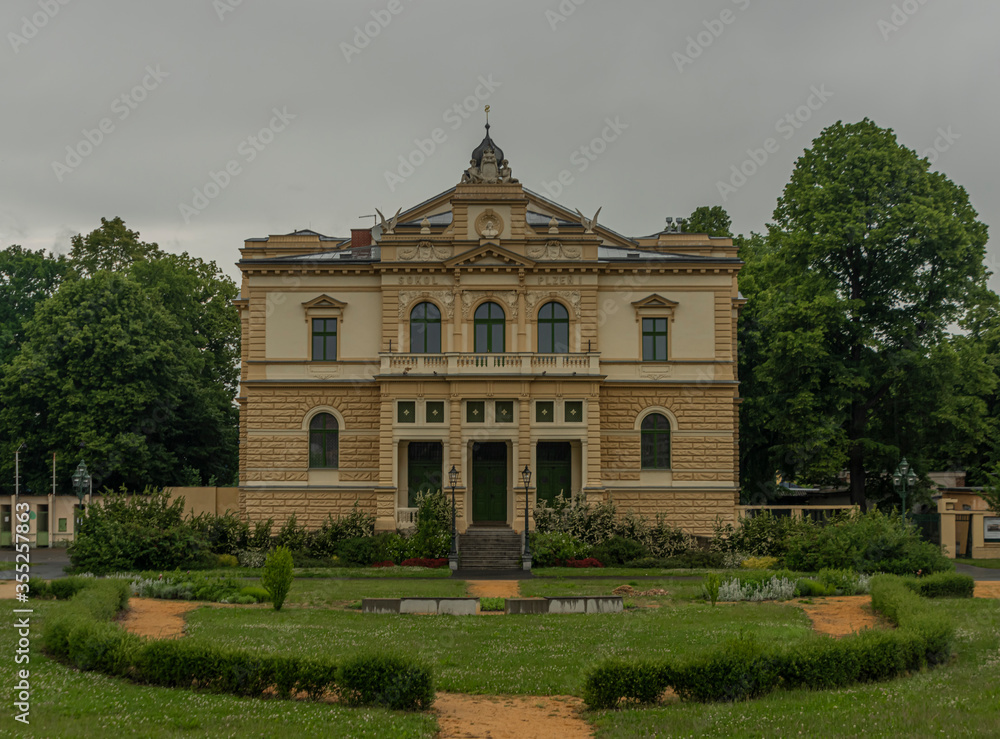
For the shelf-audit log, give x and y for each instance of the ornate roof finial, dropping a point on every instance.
(488, 164)
(487, 111)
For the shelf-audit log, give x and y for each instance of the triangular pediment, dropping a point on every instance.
(324, 301)
(655, 301)
(489, 255)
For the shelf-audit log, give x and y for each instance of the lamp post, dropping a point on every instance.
(903, 476)
(81, 482)
(453, 557)
(526, 478)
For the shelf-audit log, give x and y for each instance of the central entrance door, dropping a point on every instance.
(423, 462)
(489, 482)
(554, 460)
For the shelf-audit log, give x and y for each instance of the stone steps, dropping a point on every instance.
(490, 549)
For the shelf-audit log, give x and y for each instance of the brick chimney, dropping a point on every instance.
(361, 237)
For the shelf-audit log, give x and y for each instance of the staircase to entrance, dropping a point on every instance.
(490, 548)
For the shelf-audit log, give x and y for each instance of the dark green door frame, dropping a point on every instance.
(423, 468)
(554, 460)
(489, 482)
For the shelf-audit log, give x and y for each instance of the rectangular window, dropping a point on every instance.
(324, 339)
(574, 411)
(406, 412)
(505, 411)
(475, 411)
(62, 525)
(544, 411)
(435, 411)
(654, 339)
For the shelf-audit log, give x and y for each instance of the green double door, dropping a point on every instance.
(489, 482)
(554, 462)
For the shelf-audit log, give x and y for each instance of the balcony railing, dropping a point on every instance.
(491, 364)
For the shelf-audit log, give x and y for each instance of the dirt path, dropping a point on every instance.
(494, 588)
(159, 619)
(841, 615)
(989, 589)
(510, 717)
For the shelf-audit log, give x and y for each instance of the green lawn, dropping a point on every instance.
(361, 573)
(627, 572)
(319, 592)
(959, 699)
(993, 564)
(68, 703)
(539, 655)
(678, 589)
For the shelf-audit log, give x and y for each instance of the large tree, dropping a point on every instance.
(870, 259)
(106, 373)
(26, 279)
(711, 220)
(113, 247)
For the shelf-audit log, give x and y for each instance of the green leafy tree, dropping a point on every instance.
(714, 221)
(277, 575)
(106, 373)
(26, 279)
(113, 247)
(870, 259)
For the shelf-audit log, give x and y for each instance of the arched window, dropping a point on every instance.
(553, 329)
(489, 327)
(425, 329)
(655, 442)
(324, 446)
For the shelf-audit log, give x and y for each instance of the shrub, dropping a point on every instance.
(292, 536)
(844, 582)
(227, 560)
(424, 562)
(65, 588)
(359, 551)
(806, 588)
(582, 563)
(492, 604)
(102, 646)
(737, 670)
(942, 585)
(38, 588)
(711, 586)
(259, 594)
(356, 525)
(868, 543)
(277, 576)
(612, 681)
(432, 539)
(137, 531)
(547, 549)
(759, 563)
(253, 559)
(775, 588)
(397, 683)
(691, 559)
(226, 534)
(762, 535)
(617, 550)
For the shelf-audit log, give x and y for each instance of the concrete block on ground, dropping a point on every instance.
(519, 606)
(380, 605)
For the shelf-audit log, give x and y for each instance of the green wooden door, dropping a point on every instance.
(5, 526)
(423, 459)
(489, 482)
(42, 527)
(553, 459)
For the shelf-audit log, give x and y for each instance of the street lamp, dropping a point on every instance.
(453, 557)
(81, 483)
(526, 477)
(904, 476)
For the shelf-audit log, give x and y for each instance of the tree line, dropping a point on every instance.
(120, 355)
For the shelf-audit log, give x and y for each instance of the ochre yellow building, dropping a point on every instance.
(489, 328)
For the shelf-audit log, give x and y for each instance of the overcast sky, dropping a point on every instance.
(305, 111)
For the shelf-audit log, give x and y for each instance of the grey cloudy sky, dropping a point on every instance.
(678, 94)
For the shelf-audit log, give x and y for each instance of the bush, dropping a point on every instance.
(226, 534)
(277, 576)
(424, 562)
(942, 585)
(252, 559)
(618, 550)
(432, 539)
(550, 548)
(762, 535)
(259, 594)
(65, 588)
(102, 646)
(774, 588)
(397, 683)
(356, 525)
(492, 604)
(613, 681)
(135, 532)
(759, 563)
(227, 560)
(38, 588)
(292, 536)
(711, 586)
(582, 563)
(737, 670)
(357, 551)
(868, 543)
(806, 588)
(692, 559)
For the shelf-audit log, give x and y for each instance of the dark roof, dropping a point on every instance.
(486, 143)
(370, 253)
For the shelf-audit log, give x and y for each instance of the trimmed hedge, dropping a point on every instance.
(942, 585)
(743, 668)
(82, 634)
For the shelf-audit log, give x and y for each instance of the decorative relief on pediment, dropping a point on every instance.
(408, 298)
(534, 297)
(553, 251)
(489, 224)
(507, 297)
(424, 251)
